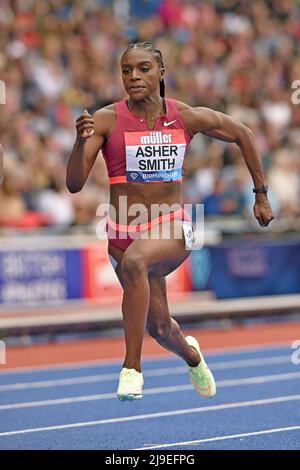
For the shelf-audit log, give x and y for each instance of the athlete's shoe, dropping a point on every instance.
(201, 377)
(130, 385)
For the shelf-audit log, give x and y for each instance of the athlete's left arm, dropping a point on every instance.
(220, 126)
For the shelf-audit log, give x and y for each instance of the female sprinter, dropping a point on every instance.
(143, 141)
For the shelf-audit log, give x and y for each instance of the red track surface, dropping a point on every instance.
(113, 348)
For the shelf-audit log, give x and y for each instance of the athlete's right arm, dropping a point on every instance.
(91, 134)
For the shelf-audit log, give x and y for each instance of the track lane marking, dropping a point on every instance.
(221, 438)
(264, 401)
(148, 373)
(151, 391)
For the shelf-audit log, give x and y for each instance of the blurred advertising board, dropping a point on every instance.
(247, 269)
(32, 276)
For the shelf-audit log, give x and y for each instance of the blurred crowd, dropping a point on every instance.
(58, 57)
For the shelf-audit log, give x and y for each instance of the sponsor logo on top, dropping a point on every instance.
(156, 138)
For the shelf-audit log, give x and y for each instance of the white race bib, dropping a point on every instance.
(154, 155)
(188, 234)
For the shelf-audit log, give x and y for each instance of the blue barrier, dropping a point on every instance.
(247, 269)
(39, 276)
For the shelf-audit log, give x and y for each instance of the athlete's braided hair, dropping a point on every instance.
(148, 46)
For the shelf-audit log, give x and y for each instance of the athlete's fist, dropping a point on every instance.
(85, 125)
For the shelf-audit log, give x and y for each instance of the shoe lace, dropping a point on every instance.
(129, 375)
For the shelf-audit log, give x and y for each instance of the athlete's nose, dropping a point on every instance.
(135, 74)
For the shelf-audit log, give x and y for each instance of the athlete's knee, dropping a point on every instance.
(132, 266)
(159, 329)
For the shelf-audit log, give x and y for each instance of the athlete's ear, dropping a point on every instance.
(162, 73)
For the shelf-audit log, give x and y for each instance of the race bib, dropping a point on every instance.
(188, 234)
(154, 155)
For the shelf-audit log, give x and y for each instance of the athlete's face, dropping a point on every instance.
(140, 73)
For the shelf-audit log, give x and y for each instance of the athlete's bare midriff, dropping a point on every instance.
(149, 194)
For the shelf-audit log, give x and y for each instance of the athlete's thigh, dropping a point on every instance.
(160, 255)
(158, 307)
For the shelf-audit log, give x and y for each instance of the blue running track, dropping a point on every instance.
(257, 405)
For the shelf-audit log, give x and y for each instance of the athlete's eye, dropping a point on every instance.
(145, 69)
(125, 71)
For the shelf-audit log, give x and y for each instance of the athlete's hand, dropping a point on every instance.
(262, 210)
(85, 126)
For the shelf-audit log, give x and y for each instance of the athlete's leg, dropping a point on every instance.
(163, 328)
(166, 331)
(135, 285)
(144, 258)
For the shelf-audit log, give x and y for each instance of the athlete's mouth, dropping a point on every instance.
(136, 87)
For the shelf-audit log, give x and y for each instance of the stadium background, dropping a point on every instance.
(59, 57)
(60, 303)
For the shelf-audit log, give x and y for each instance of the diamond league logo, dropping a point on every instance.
(134, 176)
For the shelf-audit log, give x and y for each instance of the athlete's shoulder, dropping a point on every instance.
(108, 110)
(184, 110)
(196, 118)
(105, 119)
(181, 106)
(186, 114)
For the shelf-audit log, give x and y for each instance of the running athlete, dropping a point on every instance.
(143, 141)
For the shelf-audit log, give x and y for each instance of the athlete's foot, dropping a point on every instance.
(130, 385)
(200, 375)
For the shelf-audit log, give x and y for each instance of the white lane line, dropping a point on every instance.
(60, 382)
(230, 350)
(165, 371)
(243, 404)
(221, 438)
(152, 391)
(148, 373)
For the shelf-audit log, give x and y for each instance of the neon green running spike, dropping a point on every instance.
(130, 385)
(201, 376)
